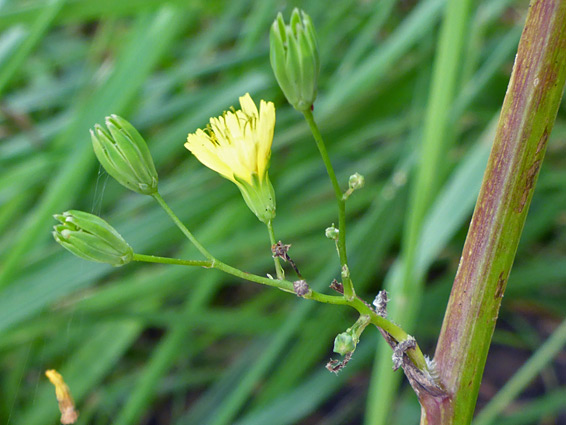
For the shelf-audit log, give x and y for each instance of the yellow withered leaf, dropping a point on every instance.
(66, 403)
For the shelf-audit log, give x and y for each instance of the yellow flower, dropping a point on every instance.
(237, 145)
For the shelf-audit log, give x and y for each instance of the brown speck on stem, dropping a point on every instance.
(281, 250)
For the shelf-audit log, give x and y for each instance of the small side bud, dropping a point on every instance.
(355, 182)
(344, 343)
(294, 58)
(332, 233)
(124, 154)
(90, 237)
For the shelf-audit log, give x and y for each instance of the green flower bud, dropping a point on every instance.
(332, 233)
(356, 181)
(344, 343)
(90, 237)
(123, 153)
(294, 58)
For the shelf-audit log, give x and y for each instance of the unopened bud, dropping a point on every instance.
(356, 181)
(124, 154)
(90, 237)
(294, 58)
(332, 233)
(344, 343)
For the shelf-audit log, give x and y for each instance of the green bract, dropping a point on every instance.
(90, 237)
(123, 153)
(294, 58)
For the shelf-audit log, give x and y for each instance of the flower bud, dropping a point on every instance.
(294, 58)
(123, 153)
(344, 343)
(90, 237)
(356, 181)
(332, 233)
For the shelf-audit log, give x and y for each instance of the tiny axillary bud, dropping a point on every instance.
(356, 181)
(344, 343)
(332, 233)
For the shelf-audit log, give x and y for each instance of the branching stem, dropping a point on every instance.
(382, 323)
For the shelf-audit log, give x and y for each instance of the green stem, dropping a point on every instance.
(346, 280)
(167, 260)
(182, 227)
(527, 117)
(278, 268)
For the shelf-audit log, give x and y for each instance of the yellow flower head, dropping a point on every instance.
(237, 145)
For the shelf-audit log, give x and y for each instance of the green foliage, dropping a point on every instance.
(191, 346)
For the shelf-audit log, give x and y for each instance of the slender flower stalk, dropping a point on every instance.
(278, 269)
(349, 292)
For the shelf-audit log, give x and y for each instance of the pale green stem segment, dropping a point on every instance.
(182, 227)
(346, 280)
(278, 268)
(167, 260)
(392, 329)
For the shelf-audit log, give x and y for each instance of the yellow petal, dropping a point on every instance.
(205, 151)
(238, 145)
(248, 105)
(265, 135)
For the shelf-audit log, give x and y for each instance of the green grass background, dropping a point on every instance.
(152, 344)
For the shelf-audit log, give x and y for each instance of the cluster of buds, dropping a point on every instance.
(124, 154)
